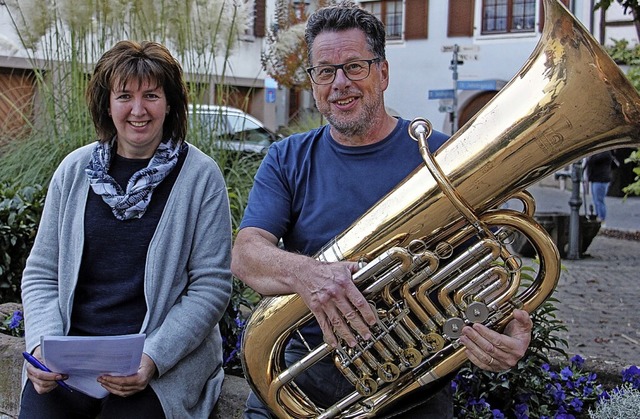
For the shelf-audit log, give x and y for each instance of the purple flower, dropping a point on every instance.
(558, 394)
(16, 318)
(497, 414)
(578, 361)
(522, 411)
(566, 373)
(603, 396)
(632, 375)
(576, 403)
(239, 322)
(231, 356)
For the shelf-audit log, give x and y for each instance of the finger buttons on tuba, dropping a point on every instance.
(413, 357)
(434, 342)
(477, 312)
(453, 327)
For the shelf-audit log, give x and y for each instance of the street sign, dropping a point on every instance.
(480, 84)
(468, 57)
(461, 48)
(441, 94)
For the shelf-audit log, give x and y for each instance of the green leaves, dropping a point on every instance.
(20, 211)
(634, 188)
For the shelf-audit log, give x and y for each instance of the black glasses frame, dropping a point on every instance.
(337, 67)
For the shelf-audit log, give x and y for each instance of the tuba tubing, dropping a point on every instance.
(569, 100)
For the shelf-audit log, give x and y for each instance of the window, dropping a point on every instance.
(259, 18)
(390, 13)
(508, 16)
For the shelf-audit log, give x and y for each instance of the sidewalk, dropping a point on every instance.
(599, 296)
(622, 214)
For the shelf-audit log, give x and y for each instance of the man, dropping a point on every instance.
(312, 186)
(599, 173)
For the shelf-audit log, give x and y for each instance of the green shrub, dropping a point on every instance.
(623, 53)
(634, 188)
(243, 299)
(20, 211)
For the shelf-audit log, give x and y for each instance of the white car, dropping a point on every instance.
(236, 130)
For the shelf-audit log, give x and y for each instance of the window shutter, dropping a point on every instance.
(460, 20)
(565, 2)
(260, 18)
(416, 18)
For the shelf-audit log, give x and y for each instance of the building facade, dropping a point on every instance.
(233, 78)
(493, 38)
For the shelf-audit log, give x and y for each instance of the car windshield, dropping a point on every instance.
(244, 129)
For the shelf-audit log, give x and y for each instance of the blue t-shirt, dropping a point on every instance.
(309, 188)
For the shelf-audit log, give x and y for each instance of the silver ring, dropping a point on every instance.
(490, 361)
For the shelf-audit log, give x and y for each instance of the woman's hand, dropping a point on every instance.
(43, 381)
(127, 386)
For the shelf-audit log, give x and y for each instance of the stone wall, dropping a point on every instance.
(10, 368)
(10, 372)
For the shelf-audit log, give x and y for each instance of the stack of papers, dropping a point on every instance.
(85, 358)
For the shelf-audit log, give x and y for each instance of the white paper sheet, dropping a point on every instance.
(85, 358)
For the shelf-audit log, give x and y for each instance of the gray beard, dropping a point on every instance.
(358, 127)
(348, 128)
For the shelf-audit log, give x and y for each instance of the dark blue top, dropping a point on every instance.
(310, 188)
(109, 297)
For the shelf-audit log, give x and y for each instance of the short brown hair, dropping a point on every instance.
(130, 61)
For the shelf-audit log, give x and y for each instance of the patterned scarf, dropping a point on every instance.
(133, 202)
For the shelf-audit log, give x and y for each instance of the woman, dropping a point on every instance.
(135, 237)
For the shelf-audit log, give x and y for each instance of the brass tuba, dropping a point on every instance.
(569, 100)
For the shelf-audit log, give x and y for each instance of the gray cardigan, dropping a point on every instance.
(187, 278)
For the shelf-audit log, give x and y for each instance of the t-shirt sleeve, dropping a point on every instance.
(269, 204)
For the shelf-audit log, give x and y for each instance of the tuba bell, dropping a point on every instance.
(569, 100)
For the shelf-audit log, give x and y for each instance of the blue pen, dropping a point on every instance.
(39, 365)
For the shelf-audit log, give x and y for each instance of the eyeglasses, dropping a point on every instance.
(353, 70)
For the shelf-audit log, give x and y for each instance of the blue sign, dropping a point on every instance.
(479, 85)
(270, 95)
(441, 94)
